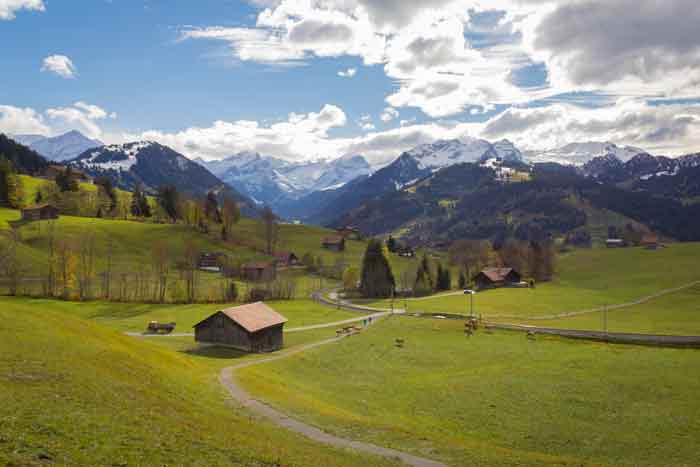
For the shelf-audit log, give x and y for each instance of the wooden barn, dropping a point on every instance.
(251, 328)
(336, 243)
(39, 212)
(491, 278)
(286, 258)
(259, 272)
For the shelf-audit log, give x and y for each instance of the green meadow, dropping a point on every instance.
(585, 279)
(495, 398)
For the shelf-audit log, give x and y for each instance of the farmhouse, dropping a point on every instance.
(491, 278)
(336, 243)
(252, 328)
(210, 261)
(259, 272)
(39, 212)
(286, 258)
(350, 232)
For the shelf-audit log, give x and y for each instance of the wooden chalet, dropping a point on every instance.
(251, 328)
(491, 278)
(259, 272)
(286, 258)
(39, 212)
(349, 232)
(336, 243)
(78, 175)
(211, 261)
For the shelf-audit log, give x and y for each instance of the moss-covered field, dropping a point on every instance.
(494, 399)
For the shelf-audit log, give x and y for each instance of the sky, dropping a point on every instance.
(310, 79)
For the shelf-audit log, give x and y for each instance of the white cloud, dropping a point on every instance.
(349, 73)
(59, 64)
(8, 8)
(389, 114)
(81, 116)
(15, 120)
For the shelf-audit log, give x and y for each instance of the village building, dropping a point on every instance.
(211, 261)
(615, 243)
(491, 278)
(650, 241)
(78, 175)
(350, 232)
(259, 272)
(336, 243)
(286, 258)
(39, 212)
(254, 327)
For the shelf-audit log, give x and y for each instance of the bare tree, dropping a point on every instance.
(189, 269)
(230, 214)
(161, 269)
(107, 274)
(271, 230)
(471, 255)
(86, 265)
(10, 261)
(65, 259)
(51, 256)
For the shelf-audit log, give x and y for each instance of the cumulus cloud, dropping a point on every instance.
(389, 114)
(16, 120)
(81, 116)
(349, 73)
(8, 8)
(60, 65)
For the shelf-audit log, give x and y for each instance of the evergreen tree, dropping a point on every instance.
(169, 200)
(391, 244)
(424, 284)
(376, 278)
(462, 280)
(211, 208)
(135, 207)
(105, 185)
(66, 181)
(11, 189)
(444, 278)
(6, 171)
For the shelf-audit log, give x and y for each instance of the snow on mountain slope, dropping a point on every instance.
(59, 148)
(581, 153)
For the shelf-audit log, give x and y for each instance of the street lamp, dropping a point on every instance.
(471, 294)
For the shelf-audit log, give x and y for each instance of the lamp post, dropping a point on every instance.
(471, 294)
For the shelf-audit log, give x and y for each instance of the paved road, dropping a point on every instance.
(227, 378)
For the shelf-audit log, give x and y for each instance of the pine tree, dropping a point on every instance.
(211, 208)
(376, 278)
(391, 244)
(135, 207)
(5, 173)
(169, 200)
(462, 280)
(424, 284)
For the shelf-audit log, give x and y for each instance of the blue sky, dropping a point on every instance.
(215, 77)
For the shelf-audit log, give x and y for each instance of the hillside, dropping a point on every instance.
(25, 160)
(73, 392)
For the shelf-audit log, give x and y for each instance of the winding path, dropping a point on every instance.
(227, 379)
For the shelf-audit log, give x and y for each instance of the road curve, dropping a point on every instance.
(227, 379)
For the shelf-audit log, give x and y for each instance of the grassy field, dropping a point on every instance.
(135, 316)
(585, 279)
(676, 314)
(73, 392)
(494, 399)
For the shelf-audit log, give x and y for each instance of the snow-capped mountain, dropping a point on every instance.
(643, 166)
(581, 153)
(443, 153)
(59, 148)
(152, 165)
(272, 181)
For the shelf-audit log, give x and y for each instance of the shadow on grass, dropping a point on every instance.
(215, 352)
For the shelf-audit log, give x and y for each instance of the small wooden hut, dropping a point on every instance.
(491, 278)
(39, 212)
(259, 272)
(336, 243)
(251, 328)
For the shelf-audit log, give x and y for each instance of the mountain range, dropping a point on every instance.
(59, 148)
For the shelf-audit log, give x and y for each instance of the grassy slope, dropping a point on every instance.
(677, 313)
(495, 399)
(585, 279)
(75, 393)
(135, 316)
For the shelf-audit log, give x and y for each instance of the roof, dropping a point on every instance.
(259, 265)
(252, 317)
(37, 206)
(331, 240)
(497, 274)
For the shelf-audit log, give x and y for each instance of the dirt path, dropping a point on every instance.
(227, 378)
(310, 327)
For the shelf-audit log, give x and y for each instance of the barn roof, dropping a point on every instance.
(497, 274)
(254, 316)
